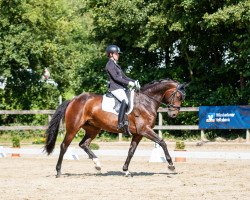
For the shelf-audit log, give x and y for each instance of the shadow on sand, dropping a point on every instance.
(119, 173)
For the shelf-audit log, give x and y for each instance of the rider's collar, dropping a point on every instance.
(113, 60)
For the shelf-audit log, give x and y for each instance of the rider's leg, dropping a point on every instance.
(122, 119)
(120, 94)
(121, 114)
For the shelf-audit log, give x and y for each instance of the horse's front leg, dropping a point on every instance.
(150, 134)
(133, 145)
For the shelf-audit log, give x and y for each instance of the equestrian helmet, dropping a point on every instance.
(112, 49)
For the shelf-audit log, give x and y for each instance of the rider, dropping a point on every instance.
(118, 83)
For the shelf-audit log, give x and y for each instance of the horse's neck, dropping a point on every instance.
(157, 92)
(154, 94)
(142, 100)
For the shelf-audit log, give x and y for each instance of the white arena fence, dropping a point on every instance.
(155, 155)
(159, 127)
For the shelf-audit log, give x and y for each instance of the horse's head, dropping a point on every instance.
(173, 98)
(168, 91)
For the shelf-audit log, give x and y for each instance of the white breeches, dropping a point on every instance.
(120, 94)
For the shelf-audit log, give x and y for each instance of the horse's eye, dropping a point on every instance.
(179, 97)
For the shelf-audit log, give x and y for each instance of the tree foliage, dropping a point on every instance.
(202, 42)
(36, 35)
(205, 42)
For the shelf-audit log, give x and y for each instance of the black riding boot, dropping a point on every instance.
(122, 122)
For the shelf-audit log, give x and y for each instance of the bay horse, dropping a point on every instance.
(85, 111)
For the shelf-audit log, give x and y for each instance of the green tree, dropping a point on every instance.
(202, 42)
(36, 35)
(199, 41)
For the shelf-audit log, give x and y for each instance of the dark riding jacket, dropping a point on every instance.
(117, 79)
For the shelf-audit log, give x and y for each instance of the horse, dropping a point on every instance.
(85, 111)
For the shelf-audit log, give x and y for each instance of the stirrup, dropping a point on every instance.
(126, 130)
(120, 126)
(123, 127)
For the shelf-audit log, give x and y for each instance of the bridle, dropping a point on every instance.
(171, 105)
(172, 97)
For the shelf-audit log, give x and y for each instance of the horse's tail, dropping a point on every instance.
(52, 131)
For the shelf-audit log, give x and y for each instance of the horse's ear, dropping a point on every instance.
(186, 85)
(182, 86)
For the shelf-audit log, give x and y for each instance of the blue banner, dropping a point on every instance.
(224, 117)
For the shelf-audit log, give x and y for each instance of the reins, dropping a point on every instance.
(171, 98)
(153, 99)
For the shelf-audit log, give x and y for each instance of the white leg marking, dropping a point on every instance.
(97, 164)
(127, 173)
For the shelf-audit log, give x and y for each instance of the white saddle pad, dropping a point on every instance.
(108, 103)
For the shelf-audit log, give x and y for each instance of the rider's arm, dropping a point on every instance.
(127, 78)
(116, 74)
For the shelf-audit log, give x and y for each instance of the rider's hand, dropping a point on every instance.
(131, 84)
(137, 85)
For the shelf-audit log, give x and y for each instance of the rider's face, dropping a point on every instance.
(116, 56)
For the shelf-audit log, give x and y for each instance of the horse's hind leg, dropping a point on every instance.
(90, 134)
(63, 148)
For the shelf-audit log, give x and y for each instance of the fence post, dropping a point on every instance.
(248, 135)
(203, 137)
(120, 137)
(160, 124)
(60, 99)
(159, 131)
(49, 118)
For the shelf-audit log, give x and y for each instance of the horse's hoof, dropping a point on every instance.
(58, 175)
(97, 164)
(98, 168)
(171, 167)
(128, 174)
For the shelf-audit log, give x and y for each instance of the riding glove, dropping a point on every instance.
(137, 85)
(131, 84)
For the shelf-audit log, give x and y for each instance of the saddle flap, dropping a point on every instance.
(111, 104)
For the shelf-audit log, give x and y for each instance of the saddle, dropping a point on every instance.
(111, 104)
